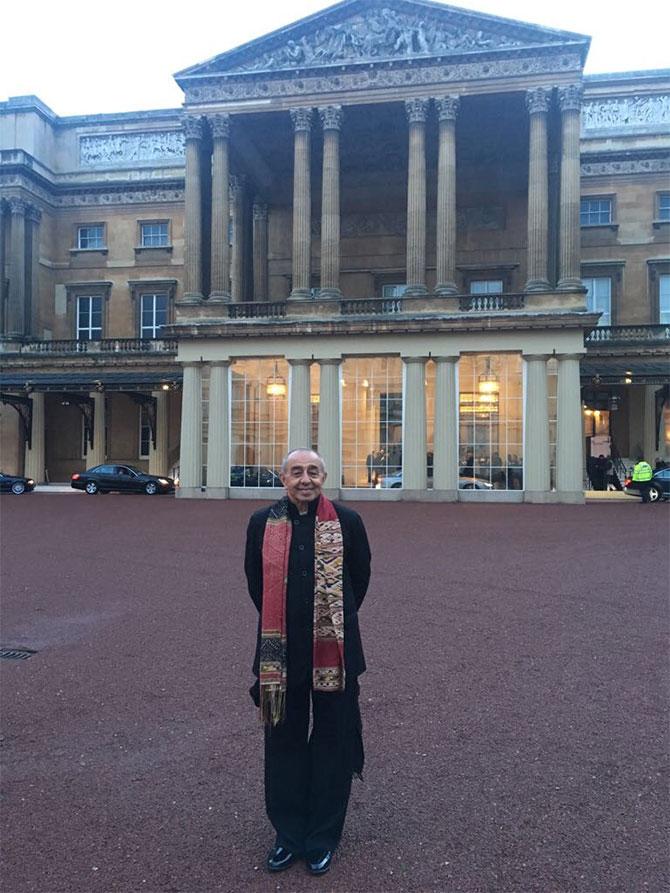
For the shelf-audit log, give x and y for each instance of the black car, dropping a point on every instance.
(659, 486)
(253, 476)
(121, 478)
(14, 483)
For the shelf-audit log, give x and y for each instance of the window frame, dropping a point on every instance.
(89, 328)
(78, 234)
(611, 199)
(660, 199)
(488, 291)
(142, 223)
(140, 287)
(658, 269)
(612, 270)
(152, 294)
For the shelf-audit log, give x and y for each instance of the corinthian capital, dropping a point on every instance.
(331, 117)
(447, 107)
(302, 119)
(537, 100)
(416, 109)
(33, 214)
(193, 129)
(220, 125)
(570, 98)
(17, 206)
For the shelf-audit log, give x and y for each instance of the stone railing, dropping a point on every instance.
(627, 335)
(257, 310)
(371, 305)
(493, 302)
(104, 346)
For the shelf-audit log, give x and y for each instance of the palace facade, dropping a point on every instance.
(414, 237)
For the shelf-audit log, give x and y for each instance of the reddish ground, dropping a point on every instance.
(514, 709)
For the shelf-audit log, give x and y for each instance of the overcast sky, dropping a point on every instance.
(120, 56)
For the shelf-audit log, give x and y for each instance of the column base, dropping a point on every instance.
(571, 497)
(190, 493)
(570, 284)
(216, 493)
(415, 291)
(446, 289)
(194, 298)
(219, 297)
(540, 497)
(537, 285)
(330, 294)
(300, 294)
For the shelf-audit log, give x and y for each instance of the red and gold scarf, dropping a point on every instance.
(328, 654)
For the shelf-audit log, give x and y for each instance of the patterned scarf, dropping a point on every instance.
(328, 655)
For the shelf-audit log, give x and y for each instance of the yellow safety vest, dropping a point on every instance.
(642, 472)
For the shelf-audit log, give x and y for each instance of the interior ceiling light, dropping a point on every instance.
(276, 384)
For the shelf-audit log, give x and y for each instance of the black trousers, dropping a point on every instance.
(308, 775)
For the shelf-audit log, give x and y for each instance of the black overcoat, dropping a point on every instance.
(300, 588)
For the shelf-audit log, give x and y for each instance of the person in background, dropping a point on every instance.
(642, 475)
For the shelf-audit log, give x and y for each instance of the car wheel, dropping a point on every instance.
(655, 494)
(91, 488)
(151, 488)
(18, 488)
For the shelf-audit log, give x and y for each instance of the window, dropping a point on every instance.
(486, 287)
(663, 207)
(91, 236)
(599, 297)
(89, 318)
(393, 291)
(664, 299)
(145, 433)
(154, 234)
(595, 211)
(153, 314)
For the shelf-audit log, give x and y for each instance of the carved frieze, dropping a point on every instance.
(612, 167)
(378, 34)
(131, 148)
(626, 112)
(124, 195)
(229, 89)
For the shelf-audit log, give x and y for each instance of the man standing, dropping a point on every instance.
(642, 475)
(307, 564)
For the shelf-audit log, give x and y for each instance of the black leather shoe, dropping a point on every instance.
(280, 858)
(318, 861)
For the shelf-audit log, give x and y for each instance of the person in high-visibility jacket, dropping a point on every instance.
(642, 475)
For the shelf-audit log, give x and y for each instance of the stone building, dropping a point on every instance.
(415, 237)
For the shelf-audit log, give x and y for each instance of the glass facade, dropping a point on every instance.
(372, 422)
(259, 421)
(490, 422)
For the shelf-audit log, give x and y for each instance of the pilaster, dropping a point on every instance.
(414, 453)
(190, 452)
(237, 197)
(35, 456)
(570, 101)
(193, 290)
(447, 112)
(299, 410)
(569, 438)
(260, 250)
(96, 454)
(158, 455)
(331, 119)
(445, 434)
(302, 123)
(537, 103)
(536, 470)
(330, 425)
(218, 441)
(15, 314)
(416, 197)
(220, 263)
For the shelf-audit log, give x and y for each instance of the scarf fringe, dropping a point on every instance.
(273, 705)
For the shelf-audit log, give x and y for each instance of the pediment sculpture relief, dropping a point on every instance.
(379, 34)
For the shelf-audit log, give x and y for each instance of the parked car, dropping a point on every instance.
(14, 483)
(659, 486)
(121, 478)
(394, 482)
(253, 476)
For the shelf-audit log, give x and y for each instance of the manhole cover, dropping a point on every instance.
(16, 653)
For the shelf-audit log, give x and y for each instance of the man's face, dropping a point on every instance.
(304, 477)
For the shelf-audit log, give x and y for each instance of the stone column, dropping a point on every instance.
(570, 101)
(537, 102)
(447, 111)
(414, 454)
(33, 218)
(218, 443)
(34, 457)
(331, 118)
(536, 470)
(445, 435)
(96, 453)
(302, 204)
(3, 263)
(260, 246)
(569, 437)
(649, 430)
(158, 455)
(15, 312)
(299, 409)
(190, 450)
(330, 423)
(193, 129)
(220, 272)
(237, 194)
(416, 197)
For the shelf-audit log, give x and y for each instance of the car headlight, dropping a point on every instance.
(30, 481)
(163, 482)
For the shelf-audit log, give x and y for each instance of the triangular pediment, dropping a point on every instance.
(377, 31)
